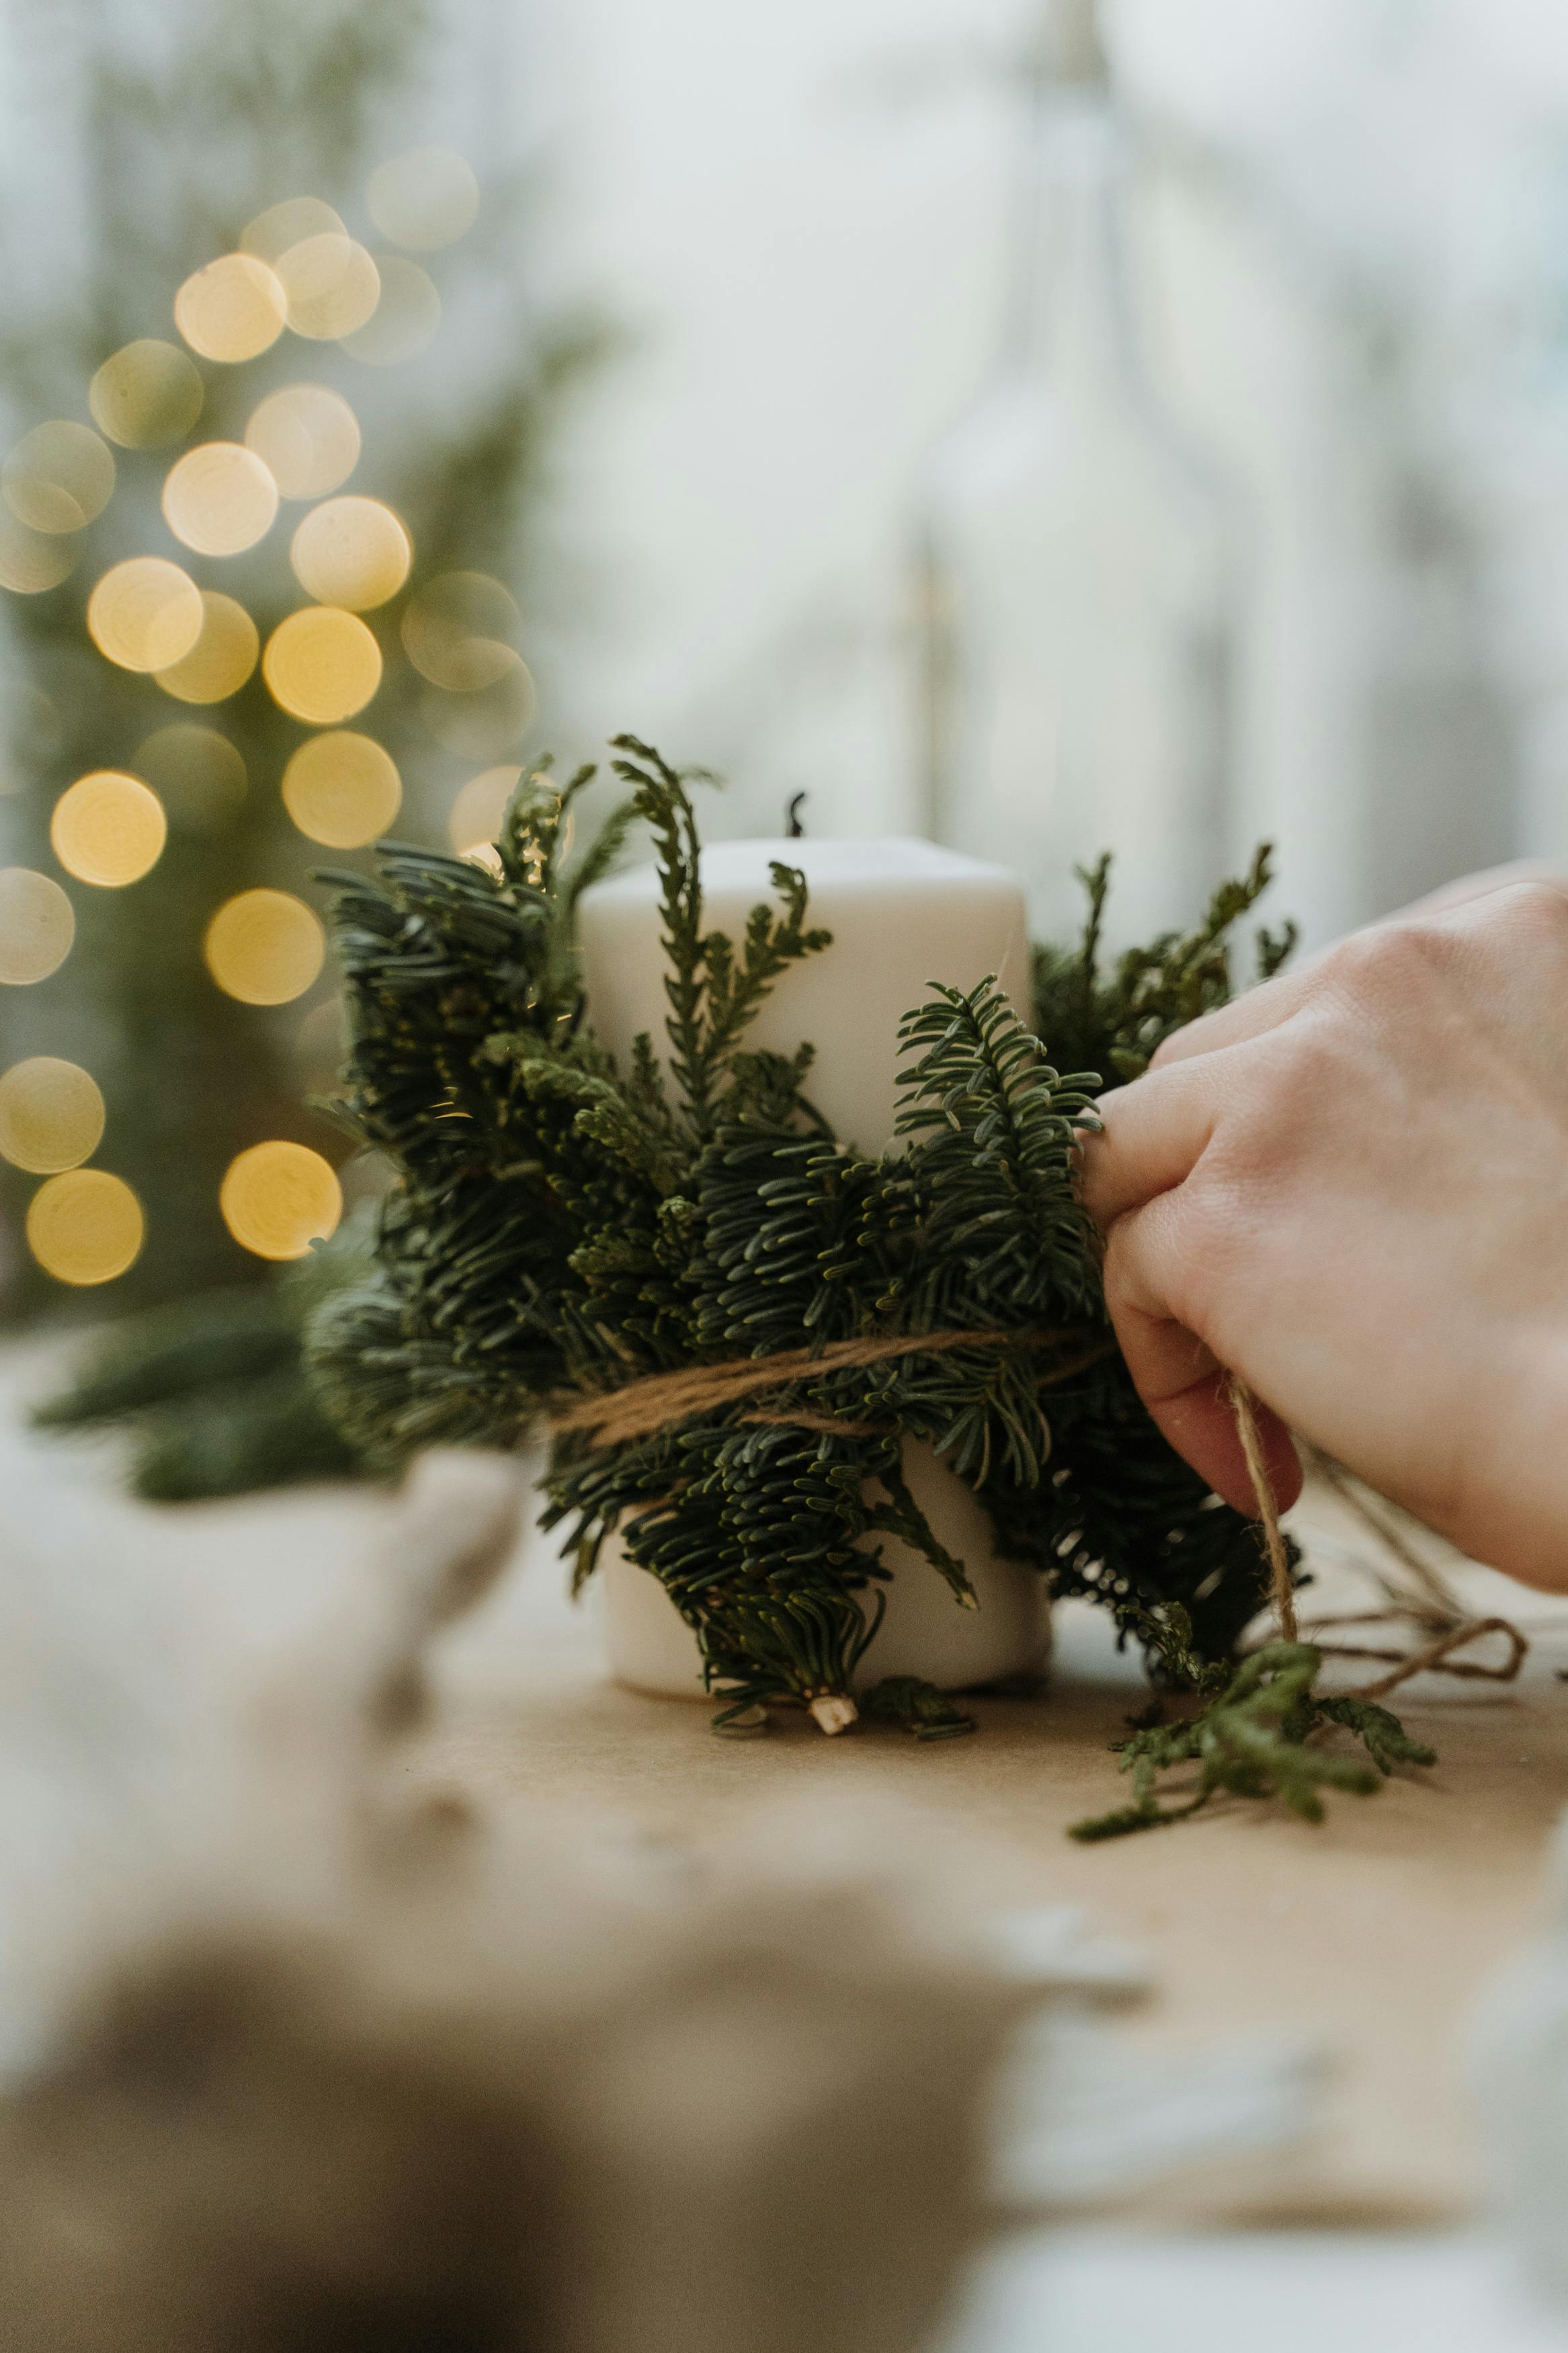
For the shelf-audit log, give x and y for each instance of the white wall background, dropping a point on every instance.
(1353, 248)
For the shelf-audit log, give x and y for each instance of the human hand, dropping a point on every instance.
(1350, 1187)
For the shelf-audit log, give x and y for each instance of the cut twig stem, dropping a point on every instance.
(833, 1711)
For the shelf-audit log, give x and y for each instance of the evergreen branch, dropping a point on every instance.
(713, 994)
(1004, 1236)
(1251, 1741)
(1115, 1026)
(901, 1517)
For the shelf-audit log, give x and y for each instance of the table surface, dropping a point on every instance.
(1373, 1932)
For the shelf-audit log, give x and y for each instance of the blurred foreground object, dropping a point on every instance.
(1078, 556)
(341, 2066)
(302, 2053)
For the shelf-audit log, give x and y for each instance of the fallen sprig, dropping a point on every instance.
(919, 1707)
(1253, 1739)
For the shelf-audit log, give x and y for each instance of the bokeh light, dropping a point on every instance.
(352, 552)
(487, 721)
(108, 829)
(219, 499)
(321, 665)
(146, 395)
(51, 1115)
(423, 199)
(307, 438)
(32, 561)
(478, 811)
(277, 1198)
(233, 309)
(404, 320)
(145, 613)
(37, 924)
(330, 284)
(341, 789)
(271, 233)
(265, 947)
(197, 774)
(222, 658)
(58, 477)
(458, 630)
(85, 1226)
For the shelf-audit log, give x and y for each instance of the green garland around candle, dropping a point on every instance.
(563, 1229)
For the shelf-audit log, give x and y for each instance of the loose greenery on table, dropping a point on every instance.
(1251, 1740)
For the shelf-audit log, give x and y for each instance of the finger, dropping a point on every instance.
(1266, 1006)
(1247, 1015)
(1177, 1374)
(1152, 1135)
(1485, 885)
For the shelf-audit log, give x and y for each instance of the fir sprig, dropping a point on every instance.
(1114, 1023)
(714, 992)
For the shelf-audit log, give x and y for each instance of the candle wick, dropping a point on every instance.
(793, 826)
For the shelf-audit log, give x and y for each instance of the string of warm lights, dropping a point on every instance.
(296, 271)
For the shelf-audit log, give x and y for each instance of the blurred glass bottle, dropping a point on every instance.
(1077, 556)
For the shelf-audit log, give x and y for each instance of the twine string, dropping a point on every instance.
(1439, 1610)
(1281, 1591)
(659, 1401)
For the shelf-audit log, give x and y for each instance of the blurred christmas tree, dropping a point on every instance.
(266, 595)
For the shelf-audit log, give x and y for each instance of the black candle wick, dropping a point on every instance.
(793, 826)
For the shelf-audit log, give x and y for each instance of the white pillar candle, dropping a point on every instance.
(903, 914)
